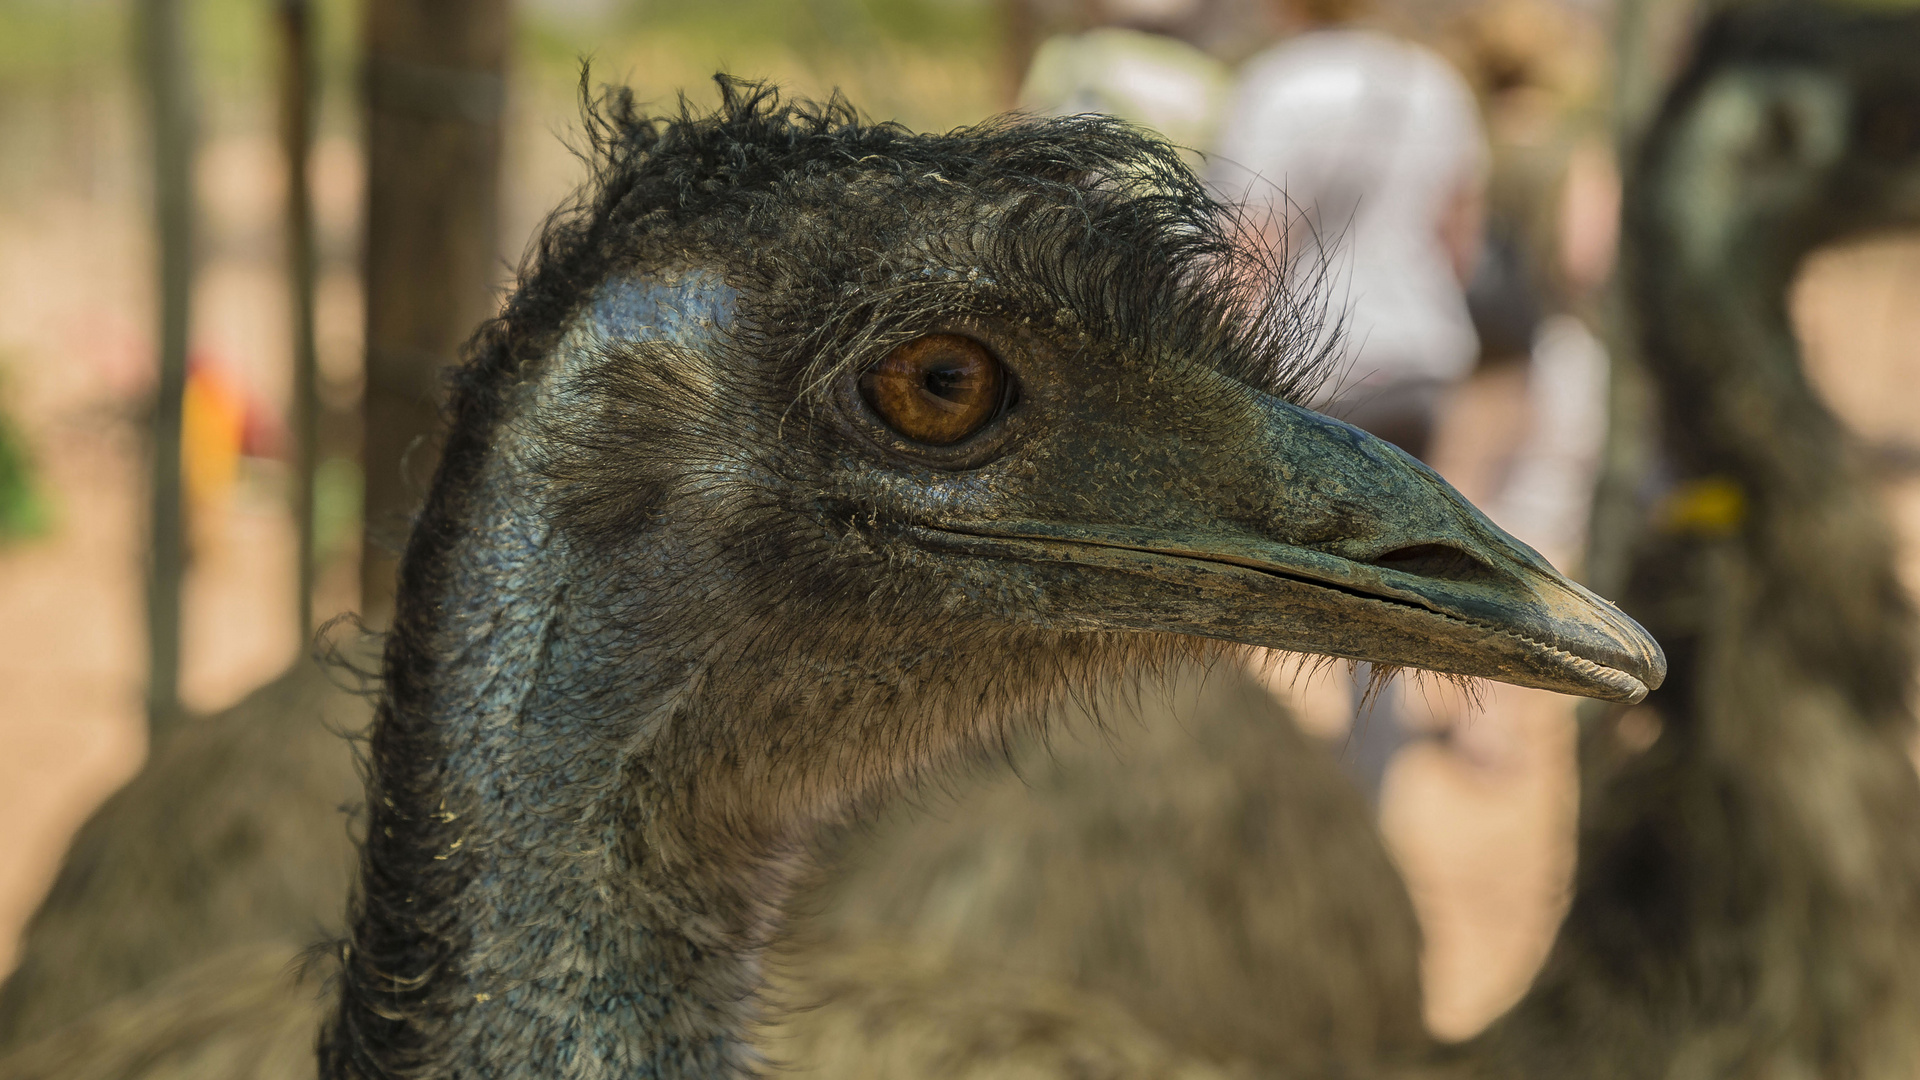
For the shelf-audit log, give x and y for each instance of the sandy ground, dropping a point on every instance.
(74, 367)
(1485, 837)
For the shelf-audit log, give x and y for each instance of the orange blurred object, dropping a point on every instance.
(221, 422)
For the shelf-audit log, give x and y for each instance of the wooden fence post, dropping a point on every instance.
(168, 76)
(435, 92)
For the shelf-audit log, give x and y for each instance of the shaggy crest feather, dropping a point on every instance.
(1098, 220)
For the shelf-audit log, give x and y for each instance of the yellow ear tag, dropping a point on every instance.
(1712, 506)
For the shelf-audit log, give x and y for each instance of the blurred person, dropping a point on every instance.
(1361, 152)
(1534, 66)
(1367, 151)
(1549, 488)
(1553, 212)
(1549, 491)
(1134, 65)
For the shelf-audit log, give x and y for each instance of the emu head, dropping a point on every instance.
(885, 425)
(1794, 127)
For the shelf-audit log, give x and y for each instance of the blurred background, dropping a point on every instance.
(434, 137)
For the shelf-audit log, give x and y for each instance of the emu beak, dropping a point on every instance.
(1299, 532)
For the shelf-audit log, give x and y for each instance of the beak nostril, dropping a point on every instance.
(1440, 561)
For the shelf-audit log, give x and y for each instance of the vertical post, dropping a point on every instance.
(1019, 39)
(435, 86)
(171, 113)
(295, 18)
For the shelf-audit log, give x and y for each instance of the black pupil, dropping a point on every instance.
(947, 381)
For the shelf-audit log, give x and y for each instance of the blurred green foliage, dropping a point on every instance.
(23, 509)
(338, 488)
(908, 56)
(47, 43)
(57, 45)
(928, 63)
(814, 26)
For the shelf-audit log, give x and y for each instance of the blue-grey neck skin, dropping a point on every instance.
(575, 964)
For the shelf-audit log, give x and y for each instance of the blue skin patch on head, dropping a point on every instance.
(683, 308)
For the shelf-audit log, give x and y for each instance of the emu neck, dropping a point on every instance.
(571, 953)
(1715, 313)
(1807, 526)
(531, 902)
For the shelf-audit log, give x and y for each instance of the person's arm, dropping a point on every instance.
(1463, 217)
(1462, 225)
(1589, 216)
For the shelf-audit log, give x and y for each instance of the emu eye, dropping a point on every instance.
(937, 389)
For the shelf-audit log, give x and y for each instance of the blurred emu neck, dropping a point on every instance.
(524, 907)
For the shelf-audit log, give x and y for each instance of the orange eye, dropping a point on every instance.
(937, 389)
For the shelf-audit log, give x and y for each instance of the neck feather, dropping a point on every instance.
(604, 745)
(1740, 409)
(525, 903)
(531, 900)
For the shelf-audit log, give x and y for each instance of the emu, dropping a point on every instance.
(1747, 898)
(809, 459)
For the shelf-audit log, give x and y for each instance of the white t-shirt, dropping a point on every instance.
(1147, 79)
(1373, 138)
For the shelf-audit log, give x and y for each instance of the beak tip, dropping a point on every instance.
(1628, 677)
(1622, 687)
(1634, 663)
(1646, 676)
(1654, 671)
